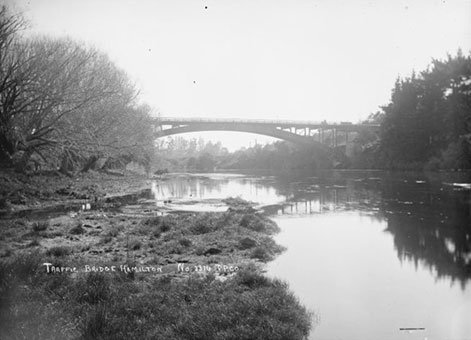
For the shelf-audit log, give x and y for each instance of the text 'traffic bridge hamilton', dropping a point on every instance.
(299, 132)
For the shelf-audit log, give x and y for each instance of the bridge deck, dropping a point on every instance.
(266, 122)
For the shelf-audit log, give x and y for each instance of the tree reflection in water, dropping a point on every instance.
(429, 219)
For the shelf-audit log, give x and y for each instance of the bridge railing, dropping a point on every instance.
(239, 120)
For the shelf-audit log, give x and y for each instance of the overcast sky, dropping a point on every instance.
(309, 60)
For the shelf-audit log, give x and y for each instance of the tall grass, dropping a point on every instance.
(113, 306)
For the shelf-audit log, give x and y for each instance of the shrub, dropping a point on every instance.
(77, 230)
(247, 243)
(40, 226)
(251, 278)
(245, 220)
(161, 224)
(260, 254)
(185, 242)
(135, 245)
(165, 226)
(200, 227)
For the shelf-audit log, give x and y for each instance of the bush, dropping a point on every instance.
(77, 230)
(251, 278)
(257, 223)
(247, 243)
(185, 242)
(456, 156)
(135, 245)
(245, 220)
(40, 226)
(261, 254)
(200, 227)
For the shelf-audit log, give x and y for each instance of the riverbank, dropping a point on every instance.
(136, 273)
(38, 190)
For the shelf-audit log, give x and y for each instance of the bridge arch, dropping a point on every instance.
(297, 132)
(260, 130)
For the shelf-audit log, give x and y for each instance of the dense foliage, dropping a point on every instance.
(428, 120)
(277, 156)
(177, 154)
(65, 105)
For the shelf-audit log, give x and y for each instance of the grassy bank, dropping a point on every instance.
(206, 282)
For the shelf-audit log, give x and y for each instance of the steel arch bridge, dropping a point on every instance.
(321, 134)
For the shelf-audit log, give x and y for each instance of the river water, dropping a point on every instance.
(374, 255)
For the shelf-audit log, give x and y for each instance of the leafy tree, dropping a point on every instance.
(428, 120)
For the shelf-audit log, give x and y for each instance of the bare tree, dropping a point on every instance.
(65, 103)
(10, 25)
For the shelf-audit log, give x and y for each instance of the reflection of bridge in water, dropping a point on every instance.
(323, 134)
(325, 200)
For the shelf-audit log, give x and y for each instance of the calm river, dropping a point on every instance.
(374, 255)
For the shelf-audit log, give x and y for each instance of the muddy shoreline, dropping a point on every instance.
(32, 192)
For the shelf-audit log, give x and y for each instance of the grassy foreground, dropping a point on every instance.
(236, 302)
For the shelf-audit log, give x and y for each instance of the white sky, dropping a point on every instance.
(307, 60)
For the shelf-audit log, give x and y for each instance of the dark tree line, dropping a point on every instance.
(178, 153)
(277, 156)
(428, 120)
(64, 105)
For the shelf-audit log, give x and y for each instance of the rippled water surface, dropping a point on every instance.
(375, 255)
